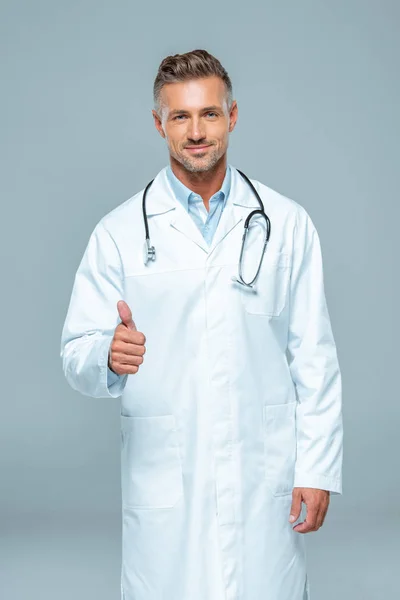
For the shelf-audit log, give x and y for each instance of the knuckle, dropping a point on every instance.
(118, 330)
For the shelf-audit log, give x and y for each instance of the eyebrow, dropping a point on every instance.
(205, 109)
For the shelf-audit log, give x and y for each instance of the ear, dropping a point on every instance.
(233, 116)
(158, 124)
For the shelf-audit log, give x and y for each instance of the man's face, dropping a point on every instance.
(195, 121)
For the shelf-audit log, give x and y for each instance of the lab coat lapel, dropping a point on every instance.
(230, 217)
(183, 222)
(161, 199)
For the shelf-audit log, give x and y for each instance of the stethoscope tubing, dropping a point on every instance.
(150, 250)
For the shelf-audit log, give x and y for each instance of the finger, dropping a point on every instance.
(130, 336)
(323, 518)
(310, 521)
(128, 348)
(295, 508)
(125, 315)
(126, 369)
(319, 521)
(322, 514)
(119, 358)
(303, 527)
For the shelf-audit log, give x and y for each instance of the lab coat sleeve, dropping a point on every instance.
(314, 367)
(92, 317)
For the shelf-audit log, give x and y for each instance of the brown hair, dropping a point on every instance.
(191, 65)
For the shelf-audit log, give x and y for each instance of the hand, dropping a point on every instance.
(127, 346)
(316, 501)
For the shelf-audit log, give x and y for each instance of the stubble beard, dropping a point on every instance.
(197, 164)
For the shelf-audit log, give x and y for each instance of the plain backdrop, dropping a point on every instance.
(317, 86)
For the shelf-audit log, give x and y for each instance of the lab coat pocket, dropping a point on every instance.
(268, 294)
(280, 446)
(151, 469)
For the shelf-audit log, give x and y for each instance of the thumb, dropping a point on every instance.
(295, 509)
(126, 315)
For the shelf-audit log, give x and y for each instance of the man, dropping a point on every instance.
(231, 395)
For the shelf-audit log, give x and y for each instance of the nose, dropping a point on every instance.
(196, 130)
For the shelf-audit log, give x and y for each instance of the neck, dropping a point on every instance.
(203, 183)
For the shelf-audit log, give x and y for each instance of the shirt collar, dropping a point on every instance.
(185, 195)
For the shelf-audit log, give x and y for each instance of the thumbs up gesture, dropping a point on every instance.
(127, 347)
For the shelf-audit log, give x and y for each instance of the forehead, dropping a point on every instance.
(193, 94)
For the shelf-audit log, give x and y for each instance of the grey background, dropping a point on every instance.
(317, 87)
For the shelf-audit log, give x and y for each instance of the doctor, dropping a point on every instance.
(231, 417)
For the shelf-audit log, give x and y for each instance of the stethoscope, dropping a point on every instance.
(149, 251)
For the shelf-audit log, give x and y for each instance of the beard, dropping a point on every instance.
(199, 164)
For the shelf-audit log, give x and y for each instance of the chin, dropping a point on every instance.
(197, 168)
(200, 165)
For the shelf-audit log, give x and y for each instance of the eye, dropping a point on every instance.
(178, 117)
(211, 112)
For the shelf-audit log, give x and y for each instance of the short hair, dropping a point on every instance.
(195, 64)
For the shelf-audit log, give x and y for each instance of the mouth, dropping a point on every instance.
(196, 149)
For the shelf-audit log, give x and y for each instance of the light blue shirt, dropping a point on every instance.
(206, 220)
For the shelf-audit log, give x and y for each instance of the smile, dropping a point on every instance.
(196, 149)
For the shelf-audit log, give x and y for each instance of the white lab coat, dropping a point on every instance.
(237, 401)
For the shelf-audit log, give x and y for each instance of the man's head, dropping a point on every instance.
(193, 109)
